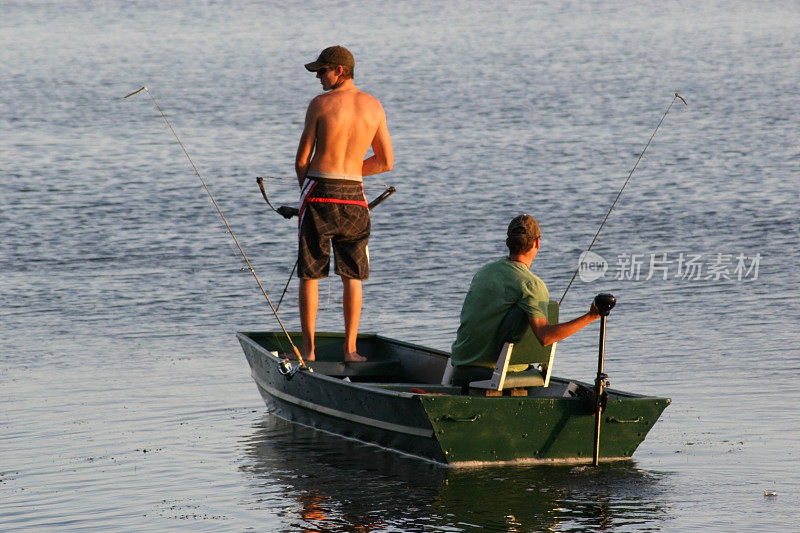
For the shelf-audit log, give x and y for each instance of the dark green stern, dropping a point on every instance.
(479, 429)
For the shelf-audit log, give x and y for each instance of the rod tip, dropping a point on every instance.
(135, 92)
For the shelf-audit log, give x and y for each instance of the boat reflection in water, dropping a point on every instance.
(345, 485)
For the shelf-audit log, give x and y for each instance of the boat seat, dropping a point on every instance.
(371, 369)
(520, 346)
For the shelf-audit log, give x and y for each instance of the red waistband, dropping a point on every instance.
(336, 201)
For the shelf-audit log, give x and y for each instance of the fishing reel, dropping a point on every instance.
(287, 369)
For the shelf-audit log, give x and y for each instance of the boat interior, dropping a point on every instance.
(403, 367)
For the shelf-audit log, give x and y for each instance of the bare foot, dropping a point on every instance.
(293, 357)
(353, 358)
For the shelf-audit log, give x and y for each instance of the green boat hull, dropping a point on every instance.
(470, 429)
(396, 401)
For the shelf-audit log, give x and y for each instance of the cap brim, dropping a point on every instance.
(314, 66)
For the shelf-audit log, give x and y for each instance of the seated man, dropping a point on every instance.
(496, 289)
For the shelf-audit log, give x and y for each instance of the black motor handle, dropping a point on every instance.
(604, 302)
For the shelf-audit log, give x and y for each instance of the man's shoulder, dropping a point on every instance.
(511, 271)
(492, 266)
(367, 99)
(316, 103)
(353, 94)
(321, 98)
(500, 270)
(367, 95)
(505, 264)
(534, 281)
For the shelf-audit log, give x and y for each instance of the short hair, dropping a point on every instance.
(519, 244)
(348, 72)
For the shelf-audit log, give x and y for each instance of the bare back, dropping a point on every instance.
(340, 127)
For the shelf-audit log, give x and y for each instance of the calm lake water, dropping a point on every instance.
(125, 401)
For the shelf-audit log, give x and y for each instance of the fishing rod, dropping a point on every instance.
(676, 97)
(288, 212)
(230, 231)
(285, 211)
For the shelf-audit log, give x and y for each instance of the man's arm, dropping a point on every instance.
(550, 333)
(383, 160)
(306, 147)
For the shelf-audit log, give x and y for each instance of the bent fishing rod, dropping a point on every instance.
(288, 212)
(676, 97)
(228, 226)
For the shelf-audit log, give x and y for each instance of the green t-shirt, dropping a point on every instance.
(494, 289)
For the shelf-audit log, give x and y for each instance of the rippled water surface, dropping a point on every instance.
(125, 401)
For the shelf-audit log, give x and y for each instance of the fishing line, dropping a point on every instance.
(676, 97)
(225, 220)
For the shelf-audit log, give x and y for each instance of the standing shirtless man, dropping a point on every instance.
(341, 125)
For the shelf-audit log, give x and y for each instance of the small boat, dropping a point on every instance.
(396, 400)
